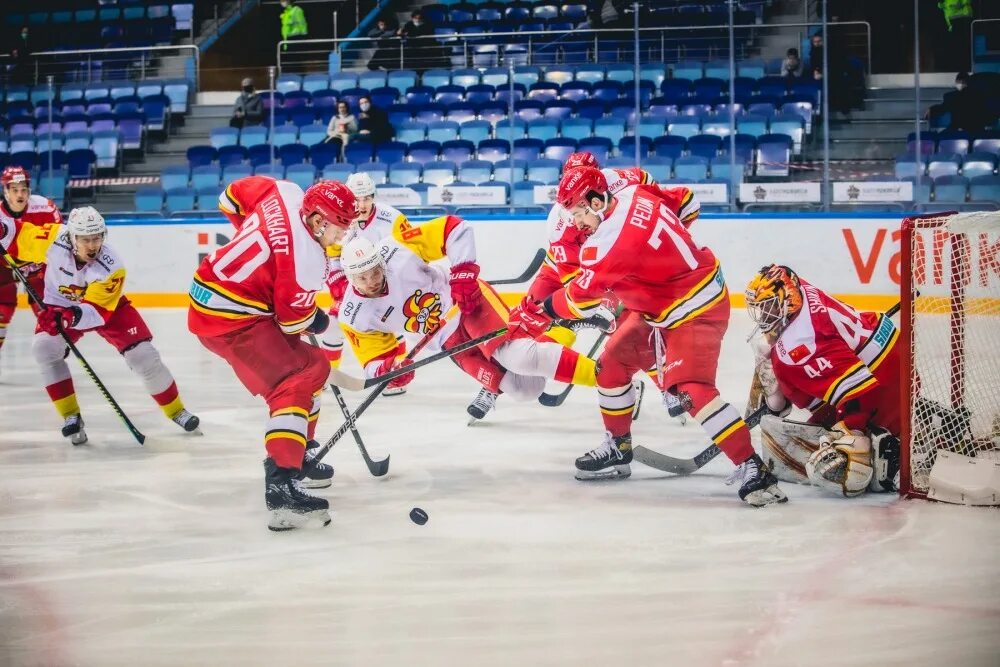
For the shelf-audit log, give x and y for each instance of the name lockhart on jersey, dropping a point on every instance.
(274, 222)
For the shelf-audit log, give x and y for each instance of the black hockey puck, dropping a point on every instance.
(418, 516)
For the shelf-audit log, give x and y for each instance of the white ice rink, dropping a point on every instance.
(114, 554)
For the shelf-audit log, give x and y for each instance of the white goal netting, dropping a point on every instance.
(951, 339)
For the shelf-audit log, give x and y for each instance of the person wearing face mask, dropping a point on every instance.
(373, 122)
(421, 52)
(342, 126)
(249, 107)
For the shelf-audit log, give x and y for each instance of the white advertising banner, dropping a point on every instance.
(872, 191)
(855, 256)
(489, 195)
(399, 196)
(545, 194)
(790, 193)
(709, 193)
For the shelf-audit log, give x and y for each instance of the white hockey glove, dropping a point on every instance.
(843, 462)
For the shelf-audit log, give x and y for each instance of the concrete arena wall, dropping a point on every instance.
(855, 257)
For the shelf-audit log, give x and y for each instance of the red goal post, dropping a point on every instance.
(950, 332)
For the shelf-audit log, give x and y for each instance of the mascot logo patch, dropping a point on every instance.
(72, 292)
(422, 312)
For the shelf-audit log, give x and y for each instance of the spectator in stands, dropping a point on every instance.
(342, 126)
(969, 107)
(423, 53)
(373, 122)
(791, 67)
(20, 50)
(383, 35)
(249, 107)
(841, 84)
(293, 22)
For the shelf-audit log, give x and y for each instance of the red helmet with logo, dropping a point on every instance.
(15, 174)
(333, 200)
(581, 159)
(577, 183)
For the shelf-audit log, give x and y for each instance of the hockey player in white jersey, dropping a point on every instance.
(84, 291)
(396, 291)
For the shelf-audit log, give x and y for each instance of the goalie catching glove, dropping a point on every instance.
(843, 462)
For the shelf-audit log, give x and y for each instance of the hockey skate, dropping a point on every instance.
(481, 405)
(674, 408)
(758, 487)
(186, 420)
(321, 475)
(885, 461)
(394, 391)
(73, 429)
(608, 461)
(291, 507)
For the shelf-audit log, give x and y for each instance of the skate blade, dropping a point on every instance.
(682, 418)
(317, 483)
(618, 472)
(397, 391)
(472, 421)
(282, 520)
(79, 438)
(770, 496)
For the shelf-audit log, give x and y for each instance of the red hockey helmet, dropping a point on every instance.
(332, 200)
(15, 174)
(577, 184)
(581, 159)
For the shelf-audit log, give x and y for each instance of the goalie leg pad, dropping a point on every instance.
(786, 446)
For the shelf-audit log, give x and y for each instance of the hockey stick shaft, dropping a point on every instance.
(376, 468)
(30, 291)
(386, 378)
(687, 466)
(532, 269)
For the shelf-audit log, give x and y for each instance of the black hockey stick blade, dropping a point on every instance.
(555, 400)
(376, 468)
(679, 466)
(532, 269)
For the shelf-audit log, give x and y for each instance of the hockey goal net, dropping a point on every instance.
(950, 316)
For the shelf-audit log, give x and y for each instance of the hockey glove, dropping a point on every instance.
(56, 318)
(390, 365)
(319, 324)
(464, 280)
(338, 287)
(527, 320)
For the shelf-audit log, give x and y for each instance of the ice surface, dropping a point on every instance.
(114, 554)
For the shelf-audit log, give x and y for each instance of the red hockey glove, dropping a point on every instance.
(338, 287)
(402, 380)
(527, 320)
(465, 286)
(54, 318)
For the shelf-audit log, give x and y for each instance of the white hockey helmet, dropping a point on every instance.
(361, 184)
(360, 256)
(86, 221)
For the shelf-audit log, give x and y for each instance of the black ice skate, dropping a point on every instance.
(608, 461)
(674, 407)
(186, 420)
(758, 487)
(291, 507)
(885, 460)
(73, 429)
(321, 475)
(481, 405)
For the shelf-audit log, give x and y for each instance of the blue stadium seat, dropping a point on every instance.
(310, 135)
(704, 145)
(601, 147)
(626, 147)
(402, 79)
(202, 177)
(235, 172)
(543, 170)
(774, 152)
(404, 173)
(475, 171)
(259, 154)
(439, 173)
(526, 149)
(175, 176)
(270, 170)
(502, 171)
(434, 78)
(428, 113)
(312, 83)
(987, 144)
(670, 147)
(224, 136)
(290, 154)
(658, 167)
(180, 199)
(953, 142)
(984, 188)
(105, 147)
(458, 150)
(379, 171)
(338, 172)
(979, 164)
(52, 184)
(287, 83)
(390, 151)
(372, 80)
(688, 70)
(493, 150)
(343, 80)
(559, 149)
(449, 94)
(321, 155)
(684, 126)
(207, 198)
(475, 130)
(526, 75)
(612, 128)
(284, 134)
(543, 128)
(442, 130)
(691, 168)
(752, 124)
(950, 188)
(423, 152)
(723, 169)
(791, 125)
(148, 199)
(302, 175)
(177, 92)
(253, 135)
(460, 112)
(357, 152)
(81, 163)
(465, 77)
(510, 130)
(943, 165)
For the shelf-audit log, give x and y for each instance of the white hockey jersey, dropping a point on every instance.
(95, 288)
(382, 223)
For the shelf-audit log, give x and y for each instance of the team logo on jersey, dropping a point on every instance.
(422, 312)
(72, 292)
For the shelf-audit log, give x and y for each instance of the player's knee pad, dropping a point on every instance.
(47, 349)
(787, 445)
(522, 387)
(144, 360)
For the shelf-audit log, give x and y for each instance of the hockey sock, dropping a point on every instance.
(575, 368)
(144, 360)
(332, 344)
(285, 436)
(617, 404)
(63, 396)
(724, 425)
(562, 335)
(313, 416)
(545, 359)
(169, 401)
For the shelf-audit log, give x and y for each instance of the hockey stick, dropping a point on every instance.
(555, 400)
(386, 378)
(377, 468)
(687, 466)
(533, 267)
(29, 290)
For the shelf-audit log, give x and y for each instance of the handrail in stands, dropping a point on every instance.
(138, 50)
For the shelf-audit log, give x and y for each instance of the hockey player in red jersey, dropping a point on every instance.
(27, 225)
(641, 255)
(816, 352)
(250, 301)
(241, 196)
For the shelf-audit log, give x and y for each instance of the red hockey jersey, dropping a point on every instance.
(27, 237)
(242, 195)
(830, 353)
(646, 258)
(272, 268)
